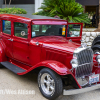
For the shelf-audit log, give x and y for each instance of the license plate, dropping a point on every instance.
(94, 78)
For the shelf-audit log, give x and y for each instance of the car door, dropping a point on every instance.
(7, 37)
(20, 42)
(74, 32)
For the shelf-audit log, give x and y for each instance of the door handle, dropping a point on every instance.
(10, 39)
(37, 43)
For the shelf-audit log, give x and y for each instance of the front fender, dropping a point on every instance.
(56, 66)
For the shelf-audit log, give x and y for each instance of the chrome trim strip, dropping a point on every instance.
(77, 50)
(83, 90)
(85, 64)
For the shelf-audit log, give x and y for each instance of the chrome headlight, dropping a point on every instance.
(98, 58)
(75, 55)
(74, 63)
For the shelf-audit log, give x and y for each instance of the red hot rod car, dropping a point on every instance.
(53, 46)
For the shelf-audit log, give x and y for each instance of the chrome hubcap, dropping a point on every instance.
(47, 84)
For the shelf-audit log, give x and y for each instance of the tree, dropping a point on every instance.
(9, 2)
(65, 9)
(5, 4)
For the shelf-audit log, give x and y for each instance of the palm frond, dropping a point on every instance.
(65, 9)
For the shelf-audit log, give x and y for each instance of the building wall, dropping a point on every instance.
(88, 2)
(37, 5)
(30, 8)
(1, 2)
(88, 37)
(19, 1)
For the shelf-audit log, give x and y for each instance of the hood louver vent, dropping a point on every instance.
(56, 56)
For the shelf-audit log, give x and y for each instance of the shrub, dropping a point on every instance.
(66, 9)
(12, 11)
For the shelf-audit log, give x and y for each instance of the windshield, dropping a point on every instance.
(48, 30)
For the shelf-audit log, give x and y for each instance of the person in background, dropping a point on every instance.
(94, 19)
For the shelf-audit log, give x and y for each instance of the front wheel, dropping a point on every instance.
(50, 84)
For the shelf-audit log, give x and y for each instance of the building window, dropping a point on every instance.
(20, 1)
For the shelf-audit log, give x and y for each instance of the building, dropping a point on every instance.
(31, 6)
(92, 7)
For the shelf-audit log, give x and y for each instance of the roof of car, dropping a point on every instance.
(28, 17)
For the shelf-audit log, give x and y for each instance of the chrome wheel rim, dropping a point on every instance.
(47, 84)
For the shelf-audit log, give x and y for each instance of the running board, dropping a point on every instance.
(13, 67)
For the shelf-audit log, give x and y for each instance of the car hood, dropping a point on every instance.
(57, 43)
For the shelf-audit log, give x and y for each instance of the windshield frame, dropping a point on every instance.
(81, 24)
(48, 22)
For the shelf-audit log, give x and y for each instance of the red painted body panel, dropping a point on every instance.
(2, 51)
(14, 18)
(54, 52)
(8, 44)
(21, 50)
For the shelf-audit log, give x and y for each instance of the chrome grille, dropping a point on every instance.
(85, 61)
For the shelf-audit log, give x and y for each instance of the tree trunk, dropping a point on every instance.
(5, 4)
(9, 3)
(99, 16)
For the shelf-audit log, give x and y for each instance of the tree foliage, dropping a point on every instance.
(66, 9)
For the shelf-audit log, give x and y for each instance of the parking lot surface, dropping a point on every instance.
(13, 82)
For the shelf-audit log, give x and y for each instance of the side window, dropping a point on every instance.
(6, 27)
(20, 30)
(74, 30)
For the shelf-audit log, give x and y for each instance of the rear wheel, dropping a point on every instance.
(50, 84)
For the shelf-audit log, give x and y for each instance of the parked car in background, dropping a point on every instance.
(53, 47)
(96, 45)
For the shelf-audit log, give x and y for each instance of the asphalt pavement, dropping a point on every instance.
(9, 81)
